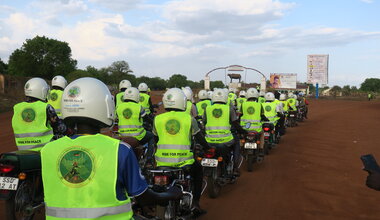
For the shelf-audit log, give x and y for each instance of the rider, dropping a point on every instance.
(261, 98)
(90, 175)
(145, 99)
(218, 120)
(292, 102)
(190, 107)
(284, 102)
(34, 121)
(123, 85)
(303, 103)
(272, 110)
(54, 98)
(231, 97)
(203, 102)
(253, 113)
(242, 98)
(131, 115)
(174, 130)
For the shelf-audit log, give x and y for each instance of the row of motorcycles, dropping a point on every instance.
(21, 182)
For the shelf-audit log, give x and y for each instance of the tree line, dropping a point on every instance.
(44, 57)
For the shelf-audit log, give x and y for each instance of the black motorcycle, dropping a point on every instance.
(21, 184)
(271, 137)
(250, 143)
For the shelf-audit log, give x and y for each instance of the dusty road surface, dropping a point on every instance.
(315, 173)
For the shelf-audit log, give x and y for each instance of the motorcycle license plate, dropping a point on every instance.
(266, 134)
(206, 162)
(291, 115)
(8, 183)
(250, 146)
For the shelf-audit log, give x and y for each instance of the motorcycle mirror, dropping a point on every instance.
(248, 125)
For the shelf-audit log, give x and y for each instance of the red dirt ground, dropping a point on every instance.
(315, 173)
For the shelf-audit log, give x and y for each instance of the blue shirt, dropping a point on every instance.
(129, 177)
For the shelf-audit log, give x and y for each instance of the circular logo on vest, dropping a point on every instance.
(74, 92)
(268, 108)
(172, 126)
(28, 115)
(53, 96)
(251, 110)
(241, 101)
(76, 166)
(262, 100)
(230, 95)
(217, 113)
(204, 105)
(291, 101)
(142, 98)
(127, 113)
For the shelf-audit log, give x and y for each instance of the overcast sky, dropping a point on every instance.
(191, 37)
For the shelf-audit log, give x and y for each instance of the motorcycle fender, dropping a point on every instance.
(208, 171)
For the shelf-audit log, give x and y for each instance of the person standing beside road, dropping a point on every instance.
(54, 98)
(369, 96)
(34, 121)
(90, 175)
(174, 130)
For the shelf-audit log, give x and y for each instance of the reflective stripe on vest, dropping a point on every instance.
(79, 179)
(30, 125)
(218, 127)
(174, 139)
(87, 212)
(249, 120)
(54, 99)
(130, 120)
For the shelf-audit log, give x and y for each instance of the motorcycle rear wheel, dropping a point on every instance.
(16, 206)
(250, 163)
(214, 188)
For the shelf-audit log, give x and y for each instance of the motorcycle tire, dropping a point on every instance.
(250, 163)
(213, 187)
(15, 207)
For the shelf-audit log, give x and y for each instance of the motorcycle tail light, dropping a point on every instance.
(161, 180)
(6, 168)
(22, 176)
(220, 159)
(242, 141)
(210, 153)
(257, 142)
(266, 129)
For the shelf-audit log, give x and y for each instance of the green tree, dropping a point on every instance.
(42, 57)
(118, 71)
(177, 80)
(76, 74)
(3, 67)
(335, 90)
(370, 85)
(158, 83)
(346, 90)
(216, 84)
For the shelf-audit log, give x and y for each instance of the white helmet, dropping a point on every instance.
(132, 94)
(59, 81)
(209, 94)
(269, 96)
(290, 95)
(252, 93)
(225, 90)
(36, 88)
(219, 95)
(88, 98)
(143, 87)
(188, 93)
(282, 97)
(124, 84)
(202, 94)
(242, 93)
(262, 93)
(174, 98)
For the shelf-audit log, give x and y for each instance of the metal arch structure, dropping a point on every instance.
(207, 77)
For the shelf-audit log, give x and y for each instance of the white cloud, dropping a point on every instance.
(118, 5)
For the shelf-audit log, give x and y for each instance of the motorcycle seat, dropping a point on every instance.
(174, 193)
(23, 159)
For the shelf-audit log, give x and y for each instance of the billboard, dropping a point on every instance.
(283, 80)
(317, 69)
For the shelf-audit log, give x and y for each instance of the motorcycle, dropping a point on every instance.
(250, 143)
(218, 168)
(176, 206)
(292, 118)
(271, 137)
(21, 184)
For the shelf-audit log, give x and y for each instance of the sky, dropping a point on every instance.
(191, 37)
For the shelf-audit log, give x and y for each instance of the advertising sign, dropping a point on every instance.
(317, 69)
(283, 80)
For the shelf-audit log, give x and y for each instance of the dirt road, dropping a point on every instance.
(315, 173)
